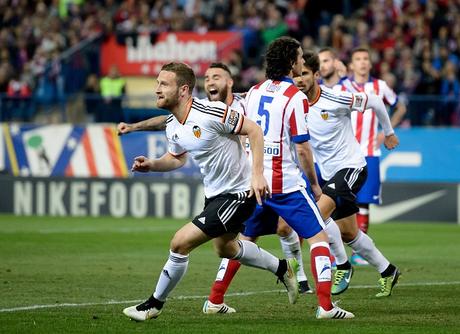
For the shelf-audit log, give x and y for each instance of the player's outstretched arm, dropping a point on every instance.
(259, 185)
(157, 123)
(305, 157)
(376, 103)
(166, 163)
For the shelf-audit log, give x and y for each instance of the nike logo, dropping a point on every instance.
(384, 213)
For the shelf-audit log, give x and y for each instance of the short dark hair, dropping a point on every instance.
(330, 50)
(280, 56)
(311, 61)
(221, 66)
(184, 74)
(360, 49)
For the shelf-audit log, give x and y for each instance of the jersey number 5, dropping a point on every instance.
(264, 112)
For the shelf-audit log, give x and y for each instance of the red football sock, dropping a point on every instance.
(219, 288)
(320, 261)
(362, 217)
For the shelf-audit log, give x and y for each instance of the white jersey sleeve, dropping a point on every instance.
(231, 122)
(359, 102)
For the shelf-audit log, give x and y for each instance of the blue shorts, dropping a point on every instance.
(298, 209)
(371, 189)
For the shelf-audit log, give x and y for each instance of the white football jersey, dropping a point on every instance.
(329, 123)
(365, 125)
(209, 134)
(280, 108)
(237, 102)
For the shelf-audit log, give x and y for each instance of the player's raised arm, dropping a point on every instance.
(157, 123)
(259, 185)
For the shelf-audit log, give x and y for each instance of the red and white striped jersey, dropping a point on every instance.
(281, 109)
(365, 125)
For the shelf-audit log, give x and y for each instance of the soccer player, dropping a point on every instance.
(209, 131)
(218, 84)
(343, 167)
(218, 87)
(365, 127)
(332, 71)
(278, 106)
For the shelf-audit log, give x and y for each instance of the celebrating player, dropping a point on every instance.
(209, 132)
(218, 84)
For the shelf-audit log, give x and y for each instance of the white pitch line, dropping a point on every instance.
(249, 293)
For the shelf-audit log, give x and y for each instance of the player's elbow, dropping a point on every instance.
(303, 150)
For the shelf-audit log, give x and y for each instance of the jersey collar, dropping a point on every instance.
(287, 79)
(188, 107)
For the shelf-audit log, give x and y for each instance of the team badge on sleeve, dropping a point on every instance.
(324, 115)
(197, 131)
(359, 102)
(233, 118)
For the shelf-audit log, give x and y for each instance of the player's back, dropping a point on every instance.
(280, 109)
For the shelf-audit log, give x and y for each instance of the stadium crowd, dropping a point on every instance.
(415, 43)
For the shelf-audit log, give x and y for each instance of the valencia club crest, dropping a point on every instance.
(197, 131)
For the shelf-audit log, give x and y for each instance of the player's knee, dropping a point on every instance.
(226, 252)
(283, 230)
(178, 246)
(348, 236)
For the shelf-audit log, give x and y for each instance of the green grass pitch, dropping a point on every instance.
(75, 275)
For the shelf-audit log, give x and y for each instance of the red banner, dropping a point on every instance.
(136, 55)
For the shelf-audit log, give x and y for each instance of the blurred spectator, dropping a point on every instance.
(274, 25)
(18, 104)
(450, 90)
(412, 39)
(92, 95)
(112, 90)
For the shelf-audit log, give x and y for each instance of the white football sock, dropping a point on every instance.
(291, 248)
(172, 273)
(364, 246)
(252, 255)
(335, 241)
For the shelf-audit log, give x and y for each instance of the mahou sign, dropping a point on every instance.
(137, 55)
